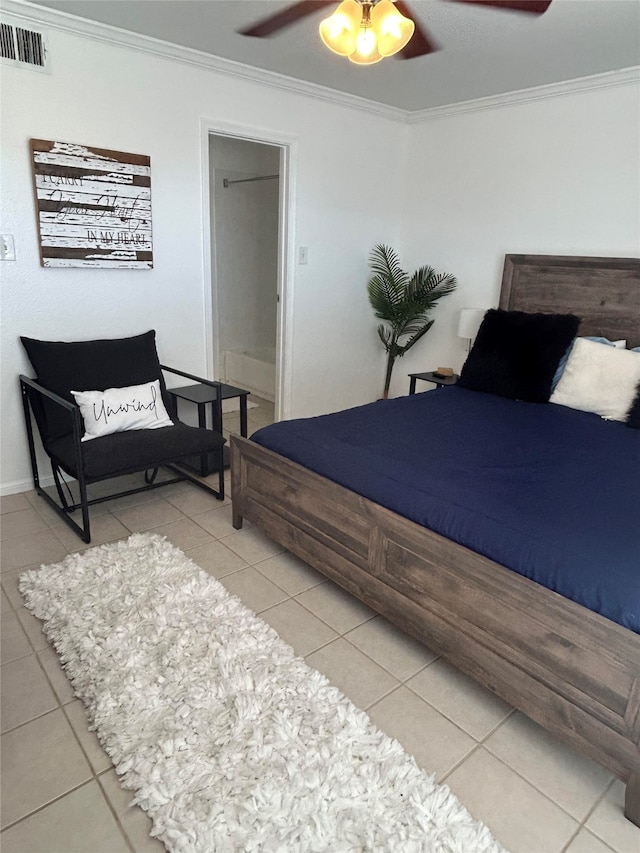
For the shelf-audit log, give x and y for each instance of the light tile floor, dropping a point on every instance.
(60, 793)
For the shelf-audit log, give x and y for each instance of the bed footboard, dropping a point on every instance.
(572, 671)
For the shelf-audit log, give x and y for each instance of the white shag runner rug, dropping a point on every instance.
(229, 741)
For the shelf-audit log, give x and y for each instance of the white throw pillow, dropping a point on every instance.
(563, 361)
(121, 409)
(599, 379)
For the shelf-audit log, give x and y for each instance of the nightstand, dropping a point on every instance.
(439, 381)
(203, 395)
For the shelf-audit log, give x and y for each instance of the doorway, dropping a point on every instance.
(247, 272)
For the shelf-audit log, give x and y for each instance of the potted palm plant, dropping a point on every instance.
(403, 302)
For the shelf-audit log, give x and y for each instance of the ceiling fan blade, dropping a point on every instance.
(290, 15)
(420, 43)
(534, 7)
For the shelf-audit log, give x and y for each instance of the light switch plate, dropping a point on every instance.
(7, 248)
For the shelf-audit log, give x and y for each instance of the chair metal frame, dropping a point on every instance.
(30, 387)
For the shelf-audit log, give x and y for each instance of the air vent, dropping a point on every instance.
(24, 48)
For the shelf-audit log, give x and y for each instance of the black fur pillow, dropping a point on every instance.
(633, 418)
(515, 354)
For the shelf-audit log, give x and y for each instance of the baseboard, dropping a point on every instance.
(18, 486)
(233, 405)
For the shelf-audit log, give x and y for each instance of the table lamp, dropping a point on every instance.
(469, 323)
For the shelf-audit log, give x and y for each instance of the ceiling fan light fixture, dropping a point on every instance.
(366, 31)
(392, 29)
(341, 29)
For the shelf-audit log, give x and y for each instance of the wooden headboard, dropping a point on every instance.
(603, 292)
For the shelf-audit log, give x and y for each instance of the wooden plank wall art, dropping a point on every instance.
(93, 206)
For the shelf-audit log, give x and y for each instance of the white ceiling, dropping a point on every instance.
(483, 51)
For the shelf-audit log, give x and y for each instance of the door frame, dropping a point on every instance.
(286, 218)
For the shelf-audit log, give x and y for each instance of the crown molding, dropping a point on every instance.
(623, 77)
(64, 22)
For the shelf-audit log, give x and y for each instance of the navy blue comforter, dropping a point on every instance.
(547, 491)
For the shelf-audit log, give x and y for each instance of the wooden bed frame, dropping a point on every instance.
(574, 672)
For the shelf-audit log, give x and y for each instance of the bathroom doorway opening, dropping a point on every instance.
(247, 212)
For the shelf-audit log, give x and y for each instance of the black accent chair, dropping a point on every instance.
(61, 367)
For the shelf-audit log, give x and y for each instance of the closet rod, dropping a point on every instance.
(226, 182)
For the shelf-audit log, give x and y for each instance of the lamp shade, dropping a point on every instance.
(469, 322)
(340, 30)
(392, 29)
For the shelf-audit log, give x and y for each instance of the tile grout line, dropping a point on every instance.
(44, 713)
(59, 707)
(480, 743)
(599, 800)
(47, 804)
(113, 811)
(343, 635)
(95, 775)
(339, 635)
(533, 785)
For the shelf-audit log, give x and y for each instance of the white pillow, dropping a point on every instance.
(563, 361)
(121, 409)
(599, 379)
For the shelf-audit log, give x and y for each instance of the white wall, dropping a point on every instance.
(114, 97)
(554, 176)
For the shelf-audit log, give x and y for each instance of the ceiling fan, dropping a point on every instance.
(418, 42)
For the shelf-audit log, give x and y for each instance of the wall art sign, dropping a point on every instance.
(93, 206)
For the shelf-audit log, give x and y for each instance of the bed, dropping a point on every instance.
(572, 670)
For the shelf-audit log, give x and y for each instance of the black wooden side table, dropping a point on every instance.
(202, 396)
(440, 381)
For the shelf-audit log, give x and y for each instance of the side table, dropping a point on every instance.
(202, 396)
(439, 381)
